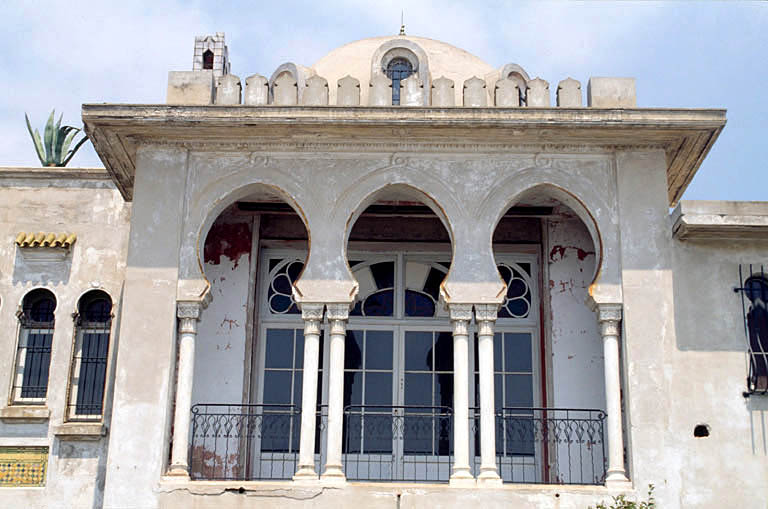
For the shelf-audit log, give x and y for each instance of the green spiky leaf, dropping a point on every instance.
(36, 140)
(72, 152)
(48, 138)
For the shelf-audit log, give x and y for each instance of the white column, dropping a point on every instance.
(188, 313)
(485, 316)
(337, 317)
(609, 316)
(461, 314)
(313, 316)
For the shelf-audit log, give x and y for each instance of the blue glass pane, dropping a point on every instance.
(282, 284)
(279, 348)
(418, 304)
(384, 274)
(444, 352)
(299, 350)
(277, 387)
(444, 390)
(353, 350)
(294, 270)
(518, 355)
(380, 303)
(518, 391)
(518, 308)
(378, 350)
(418, 389)
(377, 429)
(497, 364)
(378, 389)
(353, 388)
(280, 303)
(418, 351)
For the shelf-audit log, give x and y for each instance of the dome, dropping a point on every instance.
(356, 59)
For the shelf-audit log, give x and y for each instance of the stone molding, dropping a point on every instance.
(337, 311)
(460, 312)
(486, 312)
(311, 311)
(609, 317)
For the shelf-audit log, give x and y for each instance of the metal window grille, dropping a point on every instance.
(89, 362)
(33, 356)
(397, 70)
(753, 288)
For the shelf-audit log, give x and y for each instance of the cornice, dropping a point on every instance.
(686, 135)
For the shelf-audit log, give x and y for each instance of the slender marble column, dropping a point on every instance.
(337, 316)
(609, 316)
(312, 313)
(188, 312)
(461, 314)
(485, 316)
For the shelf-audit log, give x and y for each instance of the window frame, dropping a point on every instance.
(79, 331)
(22, 337)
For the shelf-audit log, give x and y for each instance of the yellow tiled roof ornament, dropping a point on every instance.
(41, 239)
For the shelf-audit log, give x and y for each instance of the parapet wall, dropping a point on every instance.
(203, 88)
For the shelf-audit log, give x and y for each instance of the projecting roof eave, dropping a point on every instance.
(686, 135)
(720, 221)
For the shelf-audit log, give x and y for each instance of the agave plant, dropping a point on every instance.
(53, 149)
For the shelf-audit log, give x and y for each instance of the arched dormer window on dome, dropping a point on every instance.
(397, 70)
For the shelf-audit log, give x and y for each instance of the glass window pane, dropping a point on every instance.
(297, 389)
(444, 390)
(353, 388)
(378, 350)
(518, 390)
(498, 391)
(380, 303)
(279, 352)
(518, 355)
(419, 304)
(384, 274)
(432, 284)
(299, 349)
(497, 358)
(377, 429)
(277, 388)
(418, 351)
(444, 352)
(353, 350)
(418, 389)
(378, 389)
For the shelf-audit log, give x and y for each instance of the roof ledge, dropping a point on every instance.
(720, 220)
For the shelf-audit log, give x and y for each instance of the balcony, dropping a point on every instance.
(397, 443)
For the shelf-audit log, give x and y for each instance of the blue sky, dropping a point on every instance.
(683, 54)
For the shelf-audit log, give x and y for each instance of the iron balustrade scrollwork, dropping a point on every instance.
(537, 445)
(753, 288)
(398, 443)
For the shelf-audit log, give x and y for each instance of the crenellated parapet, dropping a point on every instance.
(400, 71)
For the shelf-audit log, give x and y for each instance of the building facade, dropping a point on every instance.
(400, 278)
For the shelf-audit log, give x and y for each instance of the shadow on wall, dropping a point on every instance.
(42, 266)
(758, 412)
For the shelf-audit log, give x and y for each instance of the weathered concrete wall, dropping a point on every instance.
(707, 369)
(577, 353)
(221, 340)
(83, 201)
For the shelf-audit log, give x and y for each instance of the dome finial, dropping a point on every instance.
(402, 23)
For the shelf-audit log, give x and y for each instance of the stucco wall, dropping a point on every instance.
(89, 206)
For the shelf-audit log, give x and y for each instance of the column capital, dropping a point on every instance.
(189, 309)
(312, 310)
(337, 311)
(486, 312)
(609, 312)
(462, 312)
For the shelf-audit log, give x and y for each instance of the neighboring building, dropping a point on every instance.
(397, 278)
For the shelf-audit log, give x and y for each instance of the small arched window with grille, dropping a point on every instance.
(93, 323)
(397, 70)
(33, 354)
(754, 291)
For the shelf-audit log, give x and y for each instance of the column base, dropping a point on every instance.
(616, 479)
(333, 475)
(180, 472)
(462, 478)
(489, 477)
(305, 473)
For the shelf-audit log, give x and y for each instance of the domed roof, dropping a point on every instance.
(356, 59)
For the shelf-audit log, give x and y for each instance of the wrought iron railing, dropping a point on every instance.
(753, 288)
(398, 443)
(547, 445)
